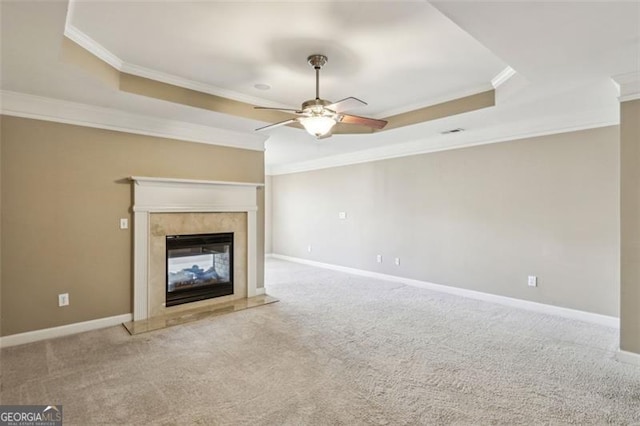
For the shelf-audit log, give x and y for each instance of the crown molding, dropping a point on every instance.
(628, 86)
(435, 101)
(174, 80)
(502, 77)
(48, 109)
(496, 82)
(89, 44)
(443, 143)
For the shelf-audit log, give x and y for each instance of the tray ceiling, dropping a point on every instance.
(398, 56)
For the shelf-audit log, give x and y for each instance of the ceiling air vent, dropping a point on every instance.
(458, 130)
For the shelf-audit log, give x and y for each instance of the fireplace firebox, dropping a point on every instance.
(199, 267)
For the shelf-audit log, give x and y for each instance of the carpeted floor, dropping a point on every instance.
(337, 349)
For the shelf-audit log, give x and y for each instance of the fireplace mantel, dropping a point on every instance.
(167, 181)
(167, 195)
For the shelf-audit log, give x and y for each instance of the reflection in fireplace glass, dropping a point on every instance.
(193, 269)
(199, 267)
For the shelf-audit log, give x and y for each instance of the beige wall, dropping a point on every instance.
(64, 189)
(1, 322)
(481, 218)
(630, 226)
(268, 246)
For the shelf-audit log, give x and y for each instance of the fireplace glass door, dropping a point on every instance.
(199, 267)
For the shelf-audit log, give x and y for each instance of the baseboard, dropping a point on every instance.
(487, 297)
(259, 291)
(63, 330)
(628, 357)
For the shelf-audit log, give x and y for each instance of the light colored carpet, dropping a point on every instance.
(337, 349)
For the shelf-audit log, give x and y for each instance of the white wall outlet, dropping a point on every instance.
(309, 248)
(124, 223)
(342, 215)
(379, 258)
(397, 261)
(63, 299)
(532, 281)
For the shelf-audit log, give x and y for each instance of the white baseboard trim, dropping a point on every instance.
(63, 330)
(589, 317)
(259, 291)
(628, 357)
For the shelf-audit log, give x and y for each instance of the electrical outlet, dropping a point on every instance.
(379, 258)
(342, 215)
(309, 248)
(397, 261)
(532, 281)
(124, 223)
(63, 299)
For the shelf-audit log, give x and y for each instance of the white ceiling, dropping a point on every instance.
(396, 55)
(391, 54)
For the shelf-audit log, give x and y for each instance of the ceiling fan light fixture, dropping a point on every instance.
(318, 125)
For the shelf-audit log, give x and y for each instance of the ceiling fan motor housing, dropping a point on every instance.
(317, 107)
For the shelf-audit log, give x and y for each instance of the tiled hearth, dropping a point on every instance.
(195, 314)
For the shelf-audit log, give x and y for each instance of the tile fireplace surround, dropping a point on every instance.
(164, 206)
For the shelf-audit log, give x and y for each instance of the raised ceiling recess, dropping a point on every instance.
(401, 73)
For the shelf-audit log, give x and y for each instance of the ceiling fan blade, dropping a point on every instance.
(281, 123)
(364, 121)
(346, 104)
(292, 111)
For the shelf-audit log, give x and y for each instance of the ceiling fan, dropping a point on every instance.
(318, 116)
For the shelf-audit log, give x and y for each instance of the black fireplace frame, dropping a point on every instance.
(178, 297)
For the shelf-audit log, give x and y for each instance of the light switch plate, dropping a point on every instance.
(63, 299)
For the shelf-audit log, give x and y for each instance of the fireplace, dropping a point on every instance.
(165, 206)
(199, 267)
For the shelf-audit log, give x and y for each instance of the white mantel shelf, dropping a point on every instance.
(156, 195)
(143, 179)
